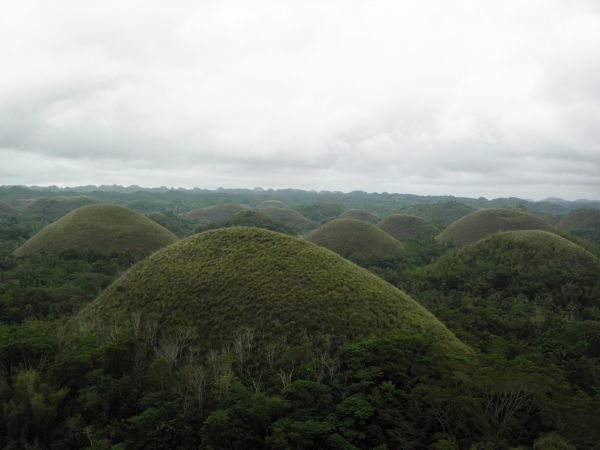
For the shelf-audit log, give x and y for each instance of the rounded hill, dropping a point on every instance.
(440, 214)
(271, 204)
(289, 217)
(484, 223)
(217, 212)
(404, 227)
(56, 208)
(6, 209)
(359, 214)
(225, 280)
(580, 218)
(101, 228)
(356, 240)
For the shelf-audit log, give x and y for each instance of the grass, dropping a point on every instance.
(440, 214)
(356, 240)
(101, 228)
(404, 227)
(56, 207)
(584, 223)
(217, 212)
(225, 280)
(289, 217)
(359, 214)
(271, 204)
(5, 208)
(321, 213)
(482, 224)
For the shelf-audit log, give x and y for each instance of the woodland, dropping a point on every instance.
(520, 370)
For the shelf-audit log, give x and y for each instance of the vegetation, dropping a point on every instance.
(271, 204)
(356, 240)
(289, 217)
(404, 227)
(101, 228)
(54, 208)
(359, 214)
(441, 214)
(321, 213)
(584, 222)
(484, 223)
(6, 209)
(177, 225)
(217, 212)
(251, 218)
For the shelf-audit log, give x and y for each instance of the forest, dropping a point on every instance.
(261, 319)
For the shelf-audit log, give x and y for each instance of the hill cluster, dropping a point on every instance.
(583, 222)
(217, 212)
(404, 227)
(441, 214)
(271, 204)
(359, 214)
(290, 217)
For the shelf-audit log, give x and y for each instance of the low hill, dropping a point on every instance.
(484, 223)
(102, 228)
(250, 218)
(408, 228)
(56, 208)
(6, 209)
(143, 206)
(321, 213)
(173, 224)
(226, 280)
(584, 222)
(289, 217)
(356, 240)
(440, 214)
(217, 212)
(271, 204)
(359, 214)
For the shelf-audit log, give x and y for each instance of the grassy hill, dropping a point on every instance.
(55, 208)
(6, 209)
(441, 214)
(217, 212)
(321, 213)
(584, 222)
(271, 204)
(356, 240)
(250, 218)
(289, 217)
(359, 214)
(102, 228)
(484, 223)
(223, 281)
(404, 227)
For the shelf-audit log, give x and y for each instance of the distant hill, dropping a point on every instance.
(289, 217)
(584, 223)
(484, 223)
(321, 213)
(6, 209)
(359, 214)
(54, 208)
(271, 204)
(217, 212)
(441, 214)
(250, 218)
(356, 240)
(224, 281)
(101, 228)
(404, 227)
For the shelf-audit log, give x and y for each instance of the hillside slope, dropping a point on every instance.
(217, 212)
(404, 227)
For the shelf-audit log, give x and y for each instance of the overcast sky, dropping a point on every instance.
(475, 98)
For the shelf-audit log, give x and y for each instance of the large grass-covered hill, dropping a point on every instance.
(6, 209)
(356, 240)
(484, 223)
(217, 212)
(359, 214)
(441, 214)
(584, 222)
(101, 228)
(404, 227)
(223, 281)
(289, 217)
(271, 204)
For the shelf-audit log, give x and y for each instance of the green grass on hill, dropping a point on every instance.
(6, 209)
(217, 212)
(321, 213)
(271, 204)
(55, 208)
(440, 214)
(404, 227)
(289, 217)
(101, 228)
(482, 224)
(584, 223)
(250, 218)
(359, 214)
(356, 240)
(223, 281)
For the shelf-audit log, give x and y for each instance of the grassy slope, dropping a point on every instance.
(50, 206)
(359, 214)
(404, 227)
(289, 217)
(484, 223)
(224, 280)
(101, 228)
(271, 204)
(356, 240)
(5, 208)
(584, 223)
(441, 214)
(321, 213)
(217, 212)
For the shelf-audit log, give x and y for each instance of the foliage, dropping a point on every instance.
(359, 214)
(289, 217)
(442, 213)
(271, 204)
(216, 213)
(404, 227)
(321, 213)
(254, 219)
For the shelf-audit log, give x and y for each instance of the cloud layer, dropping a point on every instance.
(432, 97)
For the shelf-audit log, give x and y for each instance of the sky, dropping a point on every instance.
(435, 97)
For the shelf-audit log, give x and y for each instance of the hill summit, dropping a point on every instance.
(359, 214)
(100, 227)
(404, 227)
(226, 280)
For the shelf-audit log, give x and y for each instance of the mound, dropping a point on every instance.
(164, 221)
(57, 208)
(225, 280)
(484, 223)
(251, 218)
(321, 213)
(271, 204)
(359, 214)
(101, 228)
(356, 240)
(6, 209)
(408, 228)
(289, 217)
(441, 214)
(60, 198)
(142, 206)
(217, 212)
(580, 218)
